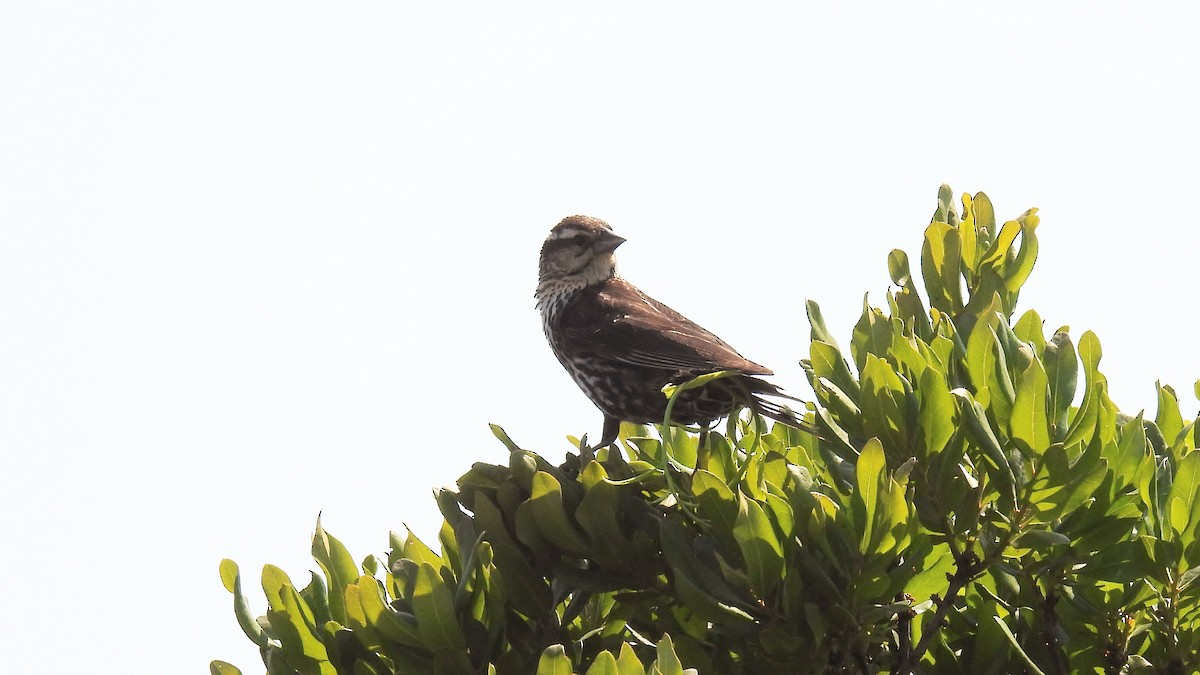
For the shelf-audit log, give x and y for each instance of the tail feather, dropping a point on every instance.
(750, 391)
(782, 414)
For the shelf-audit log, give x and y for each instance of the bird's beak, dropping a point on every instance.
(608, 242)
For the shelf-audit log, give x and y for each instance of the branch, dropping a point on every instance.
(904, 646)
(967, 566)
(1058, 659)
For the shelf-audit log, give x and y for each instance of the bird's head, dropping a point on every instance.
(578, 253)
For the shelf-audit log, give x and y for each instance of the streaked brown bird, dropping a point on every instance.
(622, 347)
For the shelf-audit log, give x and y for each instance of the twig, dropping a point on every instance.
(904, 630)
(1058, 660)
(967, 566)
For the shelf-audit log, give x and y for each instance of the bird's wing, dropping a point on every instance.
(637, 329)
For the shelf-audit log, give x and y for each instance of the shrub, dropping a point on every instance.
(969, 507)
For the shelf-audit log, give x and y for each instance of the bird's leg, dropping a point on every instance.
(608, 436)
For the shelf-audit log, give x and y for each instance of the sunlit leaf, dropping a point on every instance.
(1029, 425)
(433, 605)
(869, 474)
(1183, 502)
(232, 580)
(667, 662)
(338, 566)
(1168, 419)
(605, 664)
(554, 661)
(938, 411)
(759, 545)
(222, 668)
(885, 404)
(1062, 371)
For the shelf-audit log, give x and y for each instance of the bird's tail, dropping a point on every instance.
(781, 413)
(753, 391)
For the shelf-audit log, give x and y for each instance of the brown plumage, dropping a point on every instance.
(621, 346)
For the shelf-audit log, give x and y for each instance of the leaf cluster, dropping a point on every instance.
(975, 503)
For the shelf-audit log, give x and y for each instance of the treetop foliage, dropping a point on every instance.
(975, 503)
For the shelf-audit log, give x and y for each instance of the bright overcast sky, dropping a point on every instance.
(262, 260)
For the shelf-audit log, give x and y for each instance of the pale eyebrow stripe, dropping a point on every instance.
(565, 233)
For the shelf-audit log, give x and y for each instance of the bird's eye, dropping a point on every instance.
(579, 240)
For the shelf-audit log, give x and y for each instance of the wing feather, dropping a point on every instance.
(639, 330)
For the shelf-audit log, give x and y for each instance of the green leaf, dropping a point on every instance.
(1017, 646)
(869, 474)
(1062, 369)
(760, 547)
(968, 236)
(819, 332)
(906, 302)
(1000, 385)
(292, 623)
(381, 617)
(672, 390)
(1040, 539)
(871, 335)
(554, 661)
(433, 606)
(931, 573)
(1029, 425)
(1064, 486)
(1128, 453)
(1183, 502)
(1083, 423)
(528, 591)
(338, 566)
(894, 532)
(836, 402)
(316, 596)
(241, 607)
(985, 214)
(606, 664)
(1188, 578)
(222, 668)
(983, 436)
(667, 662)
(1090, 351)
(501, 434)
(941, 262)
(937, 412)
(229, 574)
(827, 362)
(1022, 266)
(1168, 419)
(546, 506)
(627, 661)
(998, 251)
(718, 505)
(988, 654)
(445, 662)
(945, 207)
(897, 263)
(885, 404)
(1029, 329)
(982, 347)
(597, 515)
(415, 550)
(703, 590)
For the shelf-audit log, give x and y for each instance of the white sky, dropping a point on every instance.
(263, 260)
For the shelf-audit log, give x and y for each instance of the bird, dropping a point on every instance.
(622, 347)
